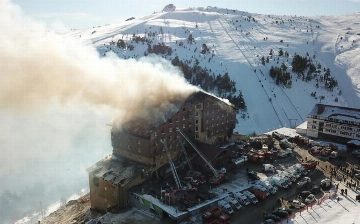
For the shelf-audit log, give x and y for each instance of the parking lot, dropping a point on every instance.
(255, 213)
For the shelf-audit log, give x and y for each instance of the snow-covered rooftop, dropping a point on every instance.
(336, 112)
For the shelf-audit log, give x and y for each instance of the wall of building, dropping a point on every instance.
(338, 128)
(103, 194)
(206, 119)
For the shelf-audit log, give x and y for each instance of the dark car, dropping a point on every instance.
(273, 217)
(280, 213)
(288, 210)
(252, 175)
(304, 194)
(315, 189)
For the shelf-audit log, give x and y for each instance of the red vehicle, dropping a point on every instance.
(310, 164)
(197, 175)
(258, 193)
(215, 215)
(255, 158)
(301, 140)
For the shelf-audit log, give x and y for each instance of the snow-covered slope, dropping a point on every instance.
(239, 40)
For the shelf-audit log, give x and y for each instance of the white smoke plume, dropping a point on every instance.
(39, 67)
(56, 95)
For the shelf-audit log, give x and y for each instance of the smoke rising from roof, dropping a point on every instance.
(38, 67)
(56, 95)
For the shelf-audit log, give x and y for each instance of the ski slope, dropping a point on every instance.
(239, 40)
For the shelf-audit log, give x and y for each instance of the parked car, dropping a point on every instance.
(253, 176)
(285, 152)
(288, 210)
(304, 181)
(280, 213)
(304, 194)
(268, 221)
(315, 189)
(297, 204)
(273, 217)
(310, 198)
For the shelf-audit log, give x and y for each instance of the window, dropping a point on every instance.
(170, 121)
(138, 142)
(183, 125)
(196, 121)
(183, 118)
(129, 147)
(196, 129)
(197, 136)
(139, 150)
(155, 133)
(314, 122)
(196, 113)
(170, 130)
(177, 120)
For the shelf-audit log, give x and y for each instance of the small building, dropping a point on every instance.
(109, 180)
(334, 122)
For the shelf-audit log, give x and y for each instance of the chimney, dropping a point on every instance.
(321, 108)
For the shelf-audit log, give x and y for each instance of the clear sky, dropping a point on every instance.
(89, 13)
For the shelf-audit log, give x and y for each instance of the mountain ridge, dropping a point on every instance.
(237, 41)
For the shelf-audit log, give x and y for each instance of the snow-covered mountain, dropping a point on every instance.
(237, 41)
(232, 41)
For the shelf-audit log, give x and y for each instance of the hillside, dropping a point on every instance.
(210, 41)
(236, 43)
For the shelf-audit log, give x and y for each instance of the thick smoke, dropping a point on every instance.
(56, 95)
(39, 67)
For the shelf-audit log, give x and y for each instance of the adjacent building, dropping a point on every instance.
(138, 149)
(334, 122)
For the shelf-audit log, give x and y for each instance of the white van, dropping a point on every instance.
(233, 202)
(278, 181)
(251, 197)
(241, 198)
(268, 168)
(225, 206)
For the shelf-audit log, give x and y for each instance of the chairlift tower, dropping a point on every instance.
(292, 119)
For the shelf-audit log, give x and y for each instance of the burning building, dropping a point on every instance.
(204, 118)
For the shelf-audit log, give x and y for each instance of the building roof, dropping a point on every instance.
(144, 128)
(117, 170)
(336, 112)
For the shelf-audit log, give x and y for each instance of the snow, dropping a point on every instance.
(238, 47)
(331, 211)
